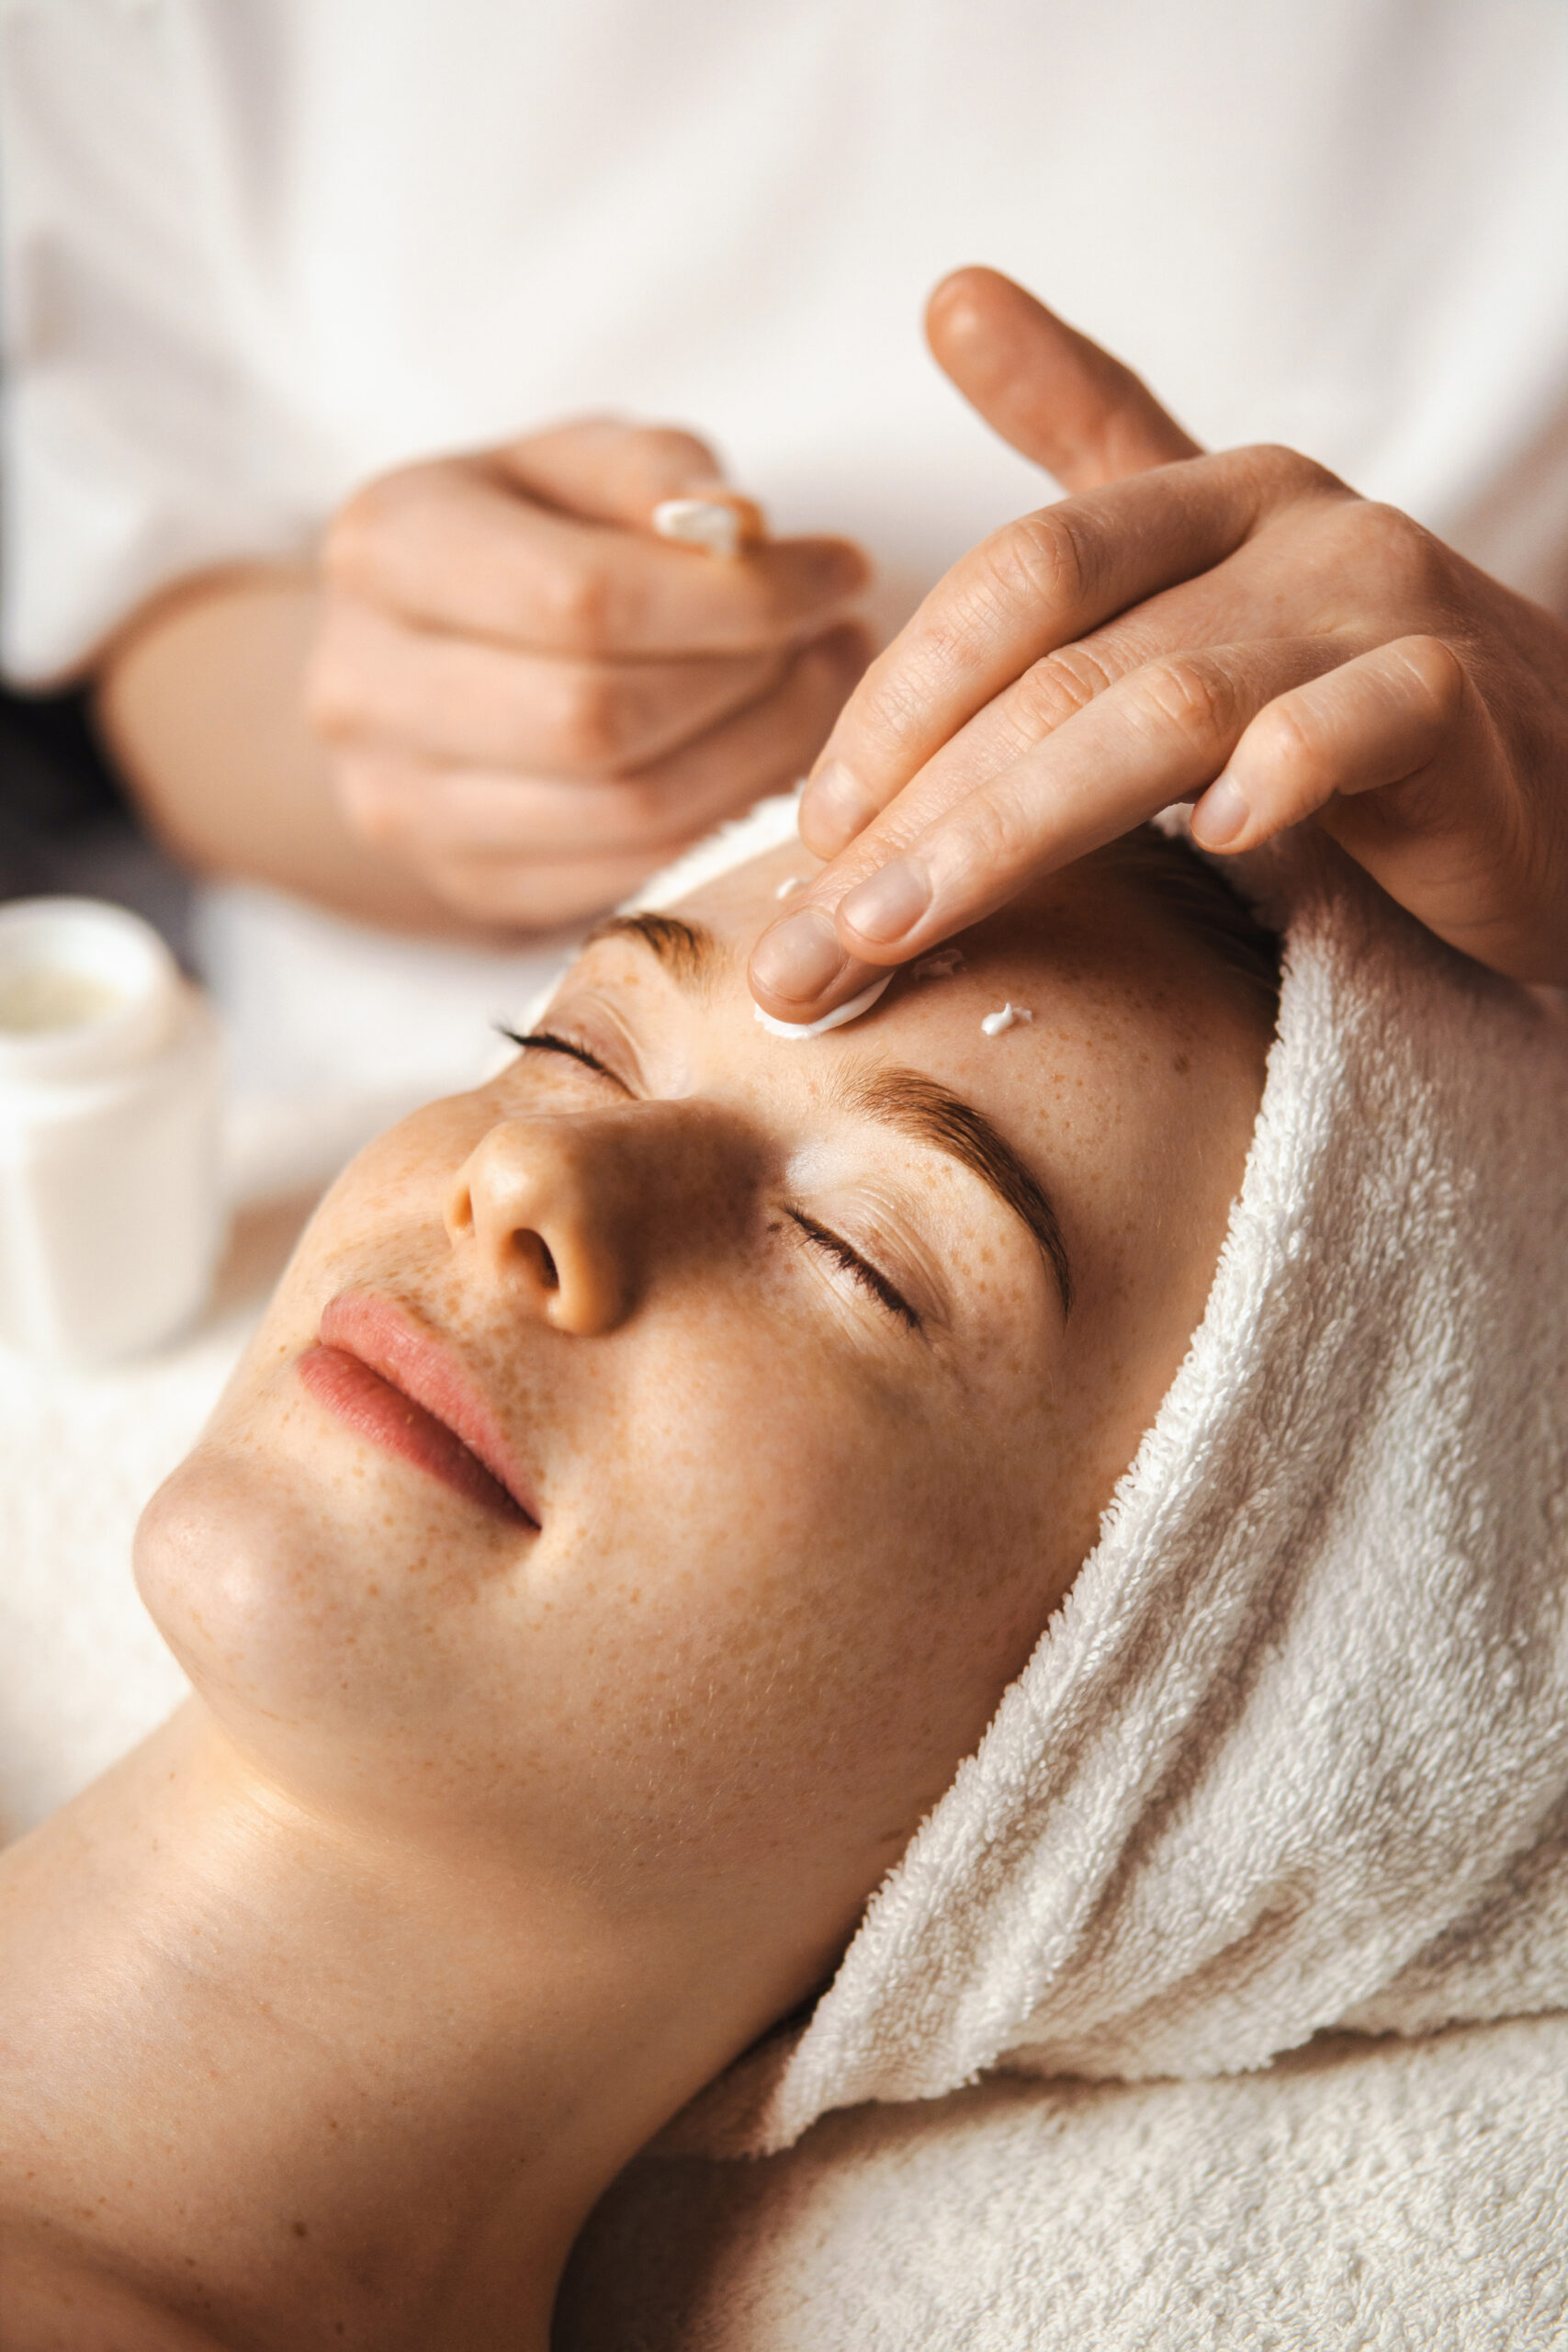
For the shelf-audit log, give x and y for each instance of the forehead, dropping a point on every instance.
(1084, 924)
(1082, 939)
(1111, 994)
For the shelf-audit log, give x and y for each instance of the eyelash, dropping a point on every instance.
(868, 1276)
(551, 1044)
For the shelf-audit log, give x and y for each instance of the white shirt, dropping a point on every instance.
(260, 248)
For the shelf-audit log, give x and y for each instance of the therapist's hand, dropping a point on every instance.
(1240, 630)
(532, 701)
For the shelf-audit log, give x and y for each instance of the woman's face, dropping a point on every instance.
(660, 1459)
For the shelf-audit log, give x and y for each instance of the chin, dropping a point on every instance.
(245, 1583)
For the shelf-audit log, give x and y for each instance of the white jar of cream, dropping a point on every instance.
(110, 1211)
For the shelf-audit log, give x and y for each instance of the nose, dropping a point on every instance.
(550, 1205)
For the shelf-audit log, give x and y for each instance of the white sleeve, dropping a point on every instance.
(137, 444)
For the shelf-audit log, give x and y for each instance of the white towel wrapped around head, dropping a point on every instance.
(1292, 1753)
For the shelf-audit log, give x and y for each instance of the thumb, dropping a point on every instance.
(603, 469)
(1054, 395)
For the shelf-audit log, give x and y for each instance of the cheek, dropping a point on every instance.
(776, 1601)
(805, 1594)
(383, 1217)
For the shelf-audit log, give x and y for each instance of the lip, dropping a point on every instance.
(379, 1371)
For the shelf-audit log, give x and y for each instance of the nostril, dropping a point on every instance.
(532, 1247)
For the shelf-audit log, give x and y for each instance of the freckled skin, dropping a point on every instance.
(801, 1496)
(791, 1552)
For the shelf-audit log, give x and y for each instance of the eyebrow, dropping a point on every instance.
(915, 1105)
(929, 1114)
(688, 951)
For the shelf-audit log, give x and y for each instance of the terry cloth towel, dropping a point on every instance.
(1293, 1752)
(1410, 2196)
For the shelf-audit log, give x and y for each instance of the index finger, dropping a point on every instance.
(1065, 402)
(1033, 586)
(1161, 734)
(454, 546)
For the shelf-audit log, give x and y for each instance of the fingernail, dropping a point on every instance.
(799, 957)
(886, 905)
(1220, 816)
(833, 810)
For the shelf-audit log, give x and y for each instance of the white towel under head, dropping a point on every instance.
(1292, 1753)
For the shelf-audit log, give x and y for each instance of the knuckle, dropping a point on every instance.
(354, 542)
(1285, 474)
(1419, 560)
(587, 728)
(331, 705)
(1057, 688)
(674, 451)
(634, 811)
(374, 814)
(578, 603)
(1438, 673)
(439, 711)
(349, 541)
(1191, 697)
(1393, 551)
(332, 712)
(897, 690)
(1292, 742)
(334, 696)
(997, 833)
(1041, 559)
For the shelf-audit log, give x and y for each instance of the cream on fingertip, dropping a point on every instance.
(797, 1032)
(719, 526)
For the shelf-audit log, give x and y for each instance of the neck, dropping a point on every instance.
(299, 2086)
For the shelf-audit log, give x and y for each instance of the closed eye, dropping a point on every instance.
(870, 1277)
(546, 1041)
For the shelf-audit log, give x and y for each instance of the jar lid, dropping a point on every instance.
(86, 989)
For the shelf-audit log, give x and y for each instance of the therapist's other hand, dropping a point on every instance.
(532, 701)
(1242, 631)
